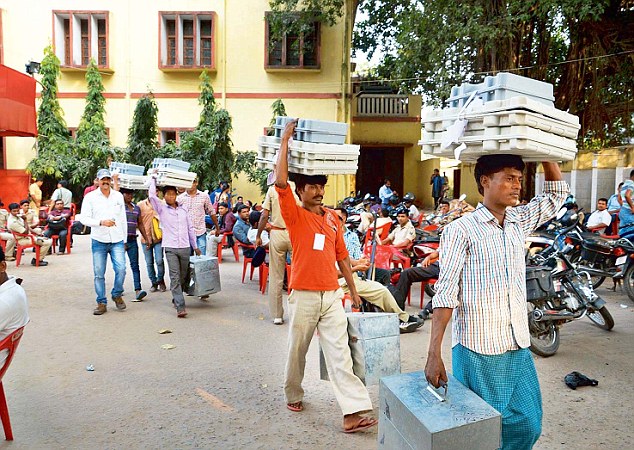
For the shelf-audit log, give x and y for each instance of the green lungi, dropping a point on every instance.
(508, 382)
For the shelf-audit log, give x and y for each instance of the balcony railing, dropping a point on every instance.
(386, 105)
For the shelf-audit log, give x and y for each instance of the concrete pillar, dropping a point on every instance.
(595, 175)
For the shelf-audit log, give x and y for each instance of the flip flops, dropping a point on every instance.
(295, 407)
(363, 424)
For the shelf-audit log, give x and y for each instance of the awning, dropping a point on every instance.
(17, 103)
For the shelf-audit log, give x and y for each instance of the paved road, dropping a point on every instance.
(221, 387)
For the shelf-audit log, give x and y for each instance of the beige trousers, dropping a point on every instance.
(377, 294)
(10, 243)
(279, 244)
(43, 242)
(322, 310)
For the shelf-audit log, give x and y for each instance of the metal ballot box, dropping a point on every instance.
(415, 417)
(204, 275)
(375, 345)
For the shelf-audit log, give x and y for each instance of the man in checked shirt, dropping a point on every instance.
(482, 284)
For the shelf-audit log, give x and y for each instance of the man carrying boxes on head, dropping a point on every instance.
(482, 284)
(315, 302)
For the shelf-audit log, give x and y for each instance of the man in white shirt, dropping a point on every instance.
(263, 238)
(14, 309)
(103, 210)
(601, 218)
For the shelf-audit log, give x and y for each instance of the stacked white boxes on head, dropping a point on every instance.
(506, 113)
(317, 148)
(173, 172)
(130, 175)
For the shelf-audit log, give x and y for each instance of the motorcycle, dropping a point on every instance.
(557, 293)
(599, 256)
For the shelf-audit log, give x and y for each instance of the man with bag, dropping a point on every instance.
(280, 245)
(58, 225)
(197, 204)
(152, 246)
(178, 240)
(315, 302)
(482, 283)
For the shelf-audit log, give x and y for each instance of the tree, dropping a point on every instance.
(208, 147)
(53, 139)
(584, 47)
(296, 18)
(278, 110)
(92, 144)
(143, 133)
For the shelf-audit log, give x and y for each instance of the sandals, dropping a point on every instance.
(295, 407)
(363, 424)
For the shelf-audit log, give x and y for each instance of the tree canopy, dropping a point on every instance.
(585, 48)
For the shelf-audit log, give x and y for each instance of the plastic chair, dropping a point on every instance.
(55, 237)
(19, 248)
(9, 343)
(247, 261)
(382, 232)
(264, 277)
(222, 244)
(3, 244)
(422, 291)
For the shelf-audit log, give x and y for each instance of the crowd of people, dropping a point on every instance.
(479, 266)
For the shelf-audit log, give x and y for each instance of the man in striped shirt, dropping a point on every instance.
(482, 284)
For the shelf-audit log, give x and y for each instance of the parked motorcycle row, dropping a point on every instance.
(565, 263)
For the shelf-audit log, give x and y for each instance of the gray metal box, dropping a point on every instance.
(411, 417)
(375, 345)
(204, 275)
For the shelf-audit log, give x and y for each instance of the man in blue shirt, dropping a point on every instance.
(241, 229)
(436, 186)
(385, 193)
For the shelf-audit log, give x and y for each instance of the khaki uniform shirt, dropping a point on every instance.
(402, 233)
(36, 196)
(272, 204)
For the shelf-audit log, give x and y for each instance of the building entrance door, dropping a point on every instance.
(375, 165)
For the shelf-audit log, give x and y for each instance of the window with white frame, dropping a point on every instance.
(80, 36)
(186, 39)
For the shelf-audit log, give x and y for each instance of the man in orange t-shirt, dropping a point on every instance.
(315, 302)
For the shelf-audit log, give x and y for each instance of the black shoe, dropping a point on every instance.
(417, 320)
(408, 327)
(424, 314)
(42, 263)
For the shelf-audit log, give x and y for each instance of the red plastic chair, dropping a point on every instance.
(9, 343)
(19, 248)
(264, 277)
(382, 232)
(422, 291)
(236, 252)
(247, 261)
(3, 244)
(55, 237)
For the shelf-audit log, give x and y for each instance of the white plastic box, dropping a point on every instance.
(170, 163)
(310, 158)
(501, 87)
(125, 168)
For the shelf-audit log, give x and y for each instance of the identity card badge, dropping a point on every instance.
(320, 240)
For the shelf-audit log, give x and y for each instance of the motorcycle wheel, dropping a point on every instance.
(601, 318)
(628, 282)
(430, 290)
(544, 337)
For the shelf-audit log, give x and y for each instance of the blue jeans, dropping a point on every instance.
(154, 255)
(132, 249)
(100, 252)
(201, 242)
